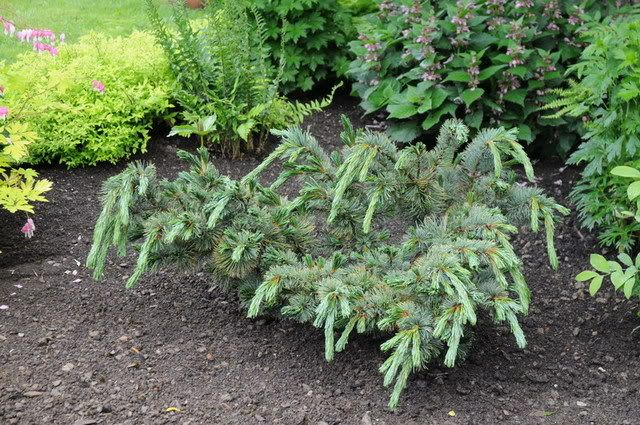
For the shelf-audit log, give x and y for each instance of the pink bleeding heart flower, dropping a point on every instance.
(28, 228)
(98, 86)
(4, 111)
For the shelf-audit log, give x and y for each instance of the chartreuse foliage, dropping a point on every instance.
(224, 75)
(311, 36)
(457, 206)
(77, 124)
(625, 274)
(484, 61)
(19, 187)
(606, 96)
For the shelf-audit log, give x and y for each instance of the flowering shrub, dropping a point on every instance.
(311, 36)
(457, 205)
(93, 102)
(19, 187)
(487, 61)
(605, 100)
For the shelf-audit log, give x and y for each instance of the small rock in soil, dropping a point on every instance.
(366, 419)
(67, 367)
(226, 397)
(32, 394)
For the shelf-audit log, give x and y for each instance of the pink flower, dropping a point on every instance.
(98, 86)
(4, 111)
(28, 228)
(62, 38)
(43, 47)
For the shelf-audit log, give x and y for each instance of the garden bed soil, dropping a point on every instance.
(172, 351)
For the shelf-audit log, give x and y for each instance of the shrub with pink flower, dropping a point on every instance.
(98, 86)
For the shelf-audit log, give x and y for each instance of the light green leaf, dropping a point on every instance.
(599, 263)
(595, 285)
(633, 191)
(617, 278)
(625, 259)
(245, 128)
(586, 275)
(624, 171)
(628, 287)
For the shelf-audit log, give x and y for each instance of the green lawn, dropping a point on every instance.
(73, 18)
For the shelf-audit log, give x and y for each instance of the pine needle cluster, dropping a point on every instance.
(327, 256)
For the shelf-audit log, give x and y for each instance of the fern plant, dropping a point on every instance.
(222, 69)
(458, 204)
(606, 97)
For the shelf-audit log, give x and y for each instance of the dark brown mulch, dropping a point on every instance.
(76, 351)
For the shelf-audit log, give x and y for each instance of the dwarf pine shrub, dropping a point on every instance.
(326, 256)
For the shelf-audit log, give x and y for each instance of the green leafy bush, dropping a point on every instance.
(358, 7)
(310, 36)
(93, 102)
(222, 69)
(488, 62)
(627, 279)
(456, 205)
(606, 99)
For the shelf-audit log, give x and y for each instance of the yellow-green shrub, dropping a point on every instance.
(79, 124)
